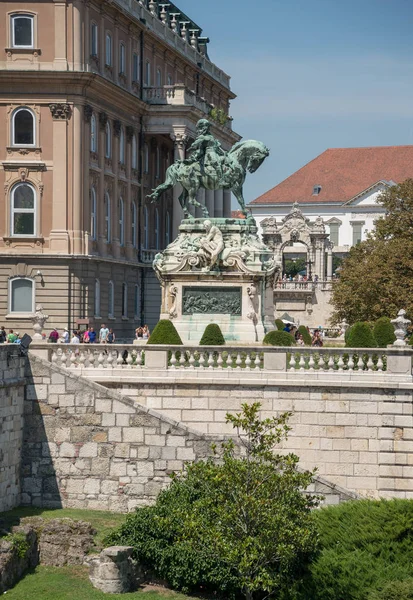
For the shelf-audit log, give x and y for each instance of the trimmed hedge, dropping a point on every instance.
(165, 333)
(383, 332)
(394, 590)
(212, 336)
(361, 336)
(279, 324)
(306, 336)
(278, 338)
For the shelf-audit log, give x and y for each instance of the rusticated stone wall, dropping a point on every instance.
(11, 424)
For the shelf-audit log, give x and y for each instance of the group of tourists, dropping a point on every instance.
(88, 336)
(142, 333)
(13, 337)
(316, 335)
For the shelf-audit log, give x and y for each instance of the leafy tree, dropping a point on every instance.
(279, 324)
(165, 333)
(293, 267)
(376, 278)
(278, 338)
(241, 525)
(383, 332)
(361, 336)
(212, 336)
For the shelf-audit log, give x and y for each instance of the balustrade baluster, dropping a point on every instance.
(311, 362)
(330, 365)
(82, 360)
(101, 359)
(110, 359)
(182, 359)
(291, 363)
(248, 361)
(191, 360)
(225, 356)
(129, 359)
(119, 359)
(173, 360)
(210, 360)
(370, 363)
(257, 361)
(54, 357)
(73, 359)
(301, 362)
(350, 363)
(63, 359)
(238, 362)
(220, 360)
(202, 359)
(340, 363)
(380, 363)
(91, 359)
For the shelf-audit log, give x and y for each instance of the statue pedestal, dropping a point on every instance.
(218, 271)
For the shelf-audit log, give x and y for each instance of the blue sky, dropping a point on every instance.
(312, 74)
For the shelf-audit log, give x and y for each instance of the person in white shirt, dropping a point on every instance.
(103, 334)
(65, 336)
(75, 339)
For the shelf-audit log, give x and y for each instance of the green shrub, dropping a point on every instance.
(361, 336)
(279, 324)
(212, 336)
(347, 335)
(279, 338)
(394, 590)
(165, 333)
(364, 546)
(306, 336)
(383, 332)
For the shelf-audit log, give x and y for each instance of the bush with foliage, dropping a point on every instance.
(306, 336)
(235, 526)
(366, 550)
(279, 324)
(361, 336)
(278, 338)
(383, 332)
(165, 333)
(347, 335)
(212, 336)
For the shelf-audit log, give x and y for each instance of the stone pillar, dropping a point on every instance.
(322, 274)
(201, 200)
(219, 203)
(115, 243)
(129, 250)
(103, 119)
(60, 42)
(180, 140)
(77, 187)
(78, 20)
(86, 215)
(59, 235)
(209, 202)
(227, 204)
(329, 262)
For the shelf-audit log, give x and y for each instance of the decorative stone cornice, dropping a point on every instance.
(61, 112)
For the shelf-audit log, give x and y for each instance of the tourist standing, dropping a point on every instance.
(103, 334)
(92, 335)
(146, 333)
(111, 337)
(3, 335)
(11, 337)
(75, 338)
(54, 336)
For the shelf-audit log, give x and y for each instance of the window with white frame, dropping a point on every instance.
(157, 163)
(357, 232)
(21, 295)
(107, 218)
(146, 158)
(97, 298)
(334, 233)
(23, 127)
(136, 303)
(134, 153)
(111, 300)
(135, 67)
(122, 59)
(22, 31)
(121, 222)
(124, 299)
(93, 214)
(145, 228)
(23, 210)
(122, 146)
(108, 50)
(156, 228)
(93, 134)
(108, 141)
(94, 40)
(170, 80)
(158, 77)
(134, 219)
(167, 228)
(148, 74)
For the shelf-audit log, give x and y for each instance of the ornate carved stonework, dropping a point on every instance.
(61, 112)
(88, 112)
(103, 119)
(204, 300)
(117, 126)
(129, 133)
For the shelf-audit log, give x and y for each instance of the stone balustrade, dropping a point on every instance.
(147, 256)
(325, 285)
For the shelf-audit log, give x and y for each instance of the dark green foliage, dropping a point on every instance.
(383, 332)
(361, 336)
(278, 338)
(364, 546)
(165, 333)
(212, 336)
(240, 526)
(306, 336)
(279, 324)
(293, 267)
(347, 335)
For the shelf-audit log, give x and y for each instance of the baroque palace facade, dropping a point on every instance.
(97, 99)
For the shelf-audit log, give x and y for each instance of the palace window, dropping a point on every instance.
(134, 153)
(93, 213)
(23, 210)
(93, 134)
(157, 163)
(134, 223)
(145, 228)
(23, 127)
(158, 77)
(334, 233)
(107, 219)
(122, 146)
(357, 233)
(21, 295)
(108, 141)
(121, 222)
(111, 300)
(167, 228)
(94, 40)
(108, 50)
(146, 159)
(22, 31)
(156, 228)
(124, 299)
(148, 74)
(135, 67)
(97, 298)
(136, 303)
(122, 59)
(170, 80)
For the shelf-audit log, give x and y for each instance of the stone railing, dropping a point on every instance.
(147, 256)
(223, 362)
(325, 285)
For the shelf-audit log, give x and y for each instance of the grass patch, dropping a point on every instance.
(72, 583)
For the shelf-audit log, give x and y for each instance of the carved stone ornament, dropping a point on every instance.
(61, 112)
(204, 300)
(173, 293)
(23, 173)
(38, 320)
(269, 225)
(117, 126)
(88, 112)
(129, 133)
(103, 120)
(400, 325)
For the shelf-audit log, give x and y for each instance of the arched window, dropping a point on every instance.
(167, 228)
(108, 50)
(21, 295)
(97, 298)
(94, 39)
(135, 68)
(134, 218)
(93, 214)
(134, 153)
(111, 300)
(108, 141)
(124, 299)
(136, 304)
(145, 228)
(146, 158)
(22, 31)
(107, 218)
(122, 59)
(23, 210)
(157, 163)
(93, 134)
(148, 74)
(121, 222)
(158, 77)
(156, 228)
(170, 80)
(23, 128)
(122, 146)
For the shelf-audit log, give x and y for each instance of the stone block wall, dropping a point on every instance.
(11, 424)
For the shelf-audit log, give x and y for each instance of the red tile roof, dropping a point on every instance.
(237, 214)
(342, 173)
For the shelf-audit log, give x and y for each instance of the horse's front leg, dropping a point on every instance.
(183, 201)
(239, 195)
(192, 200)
